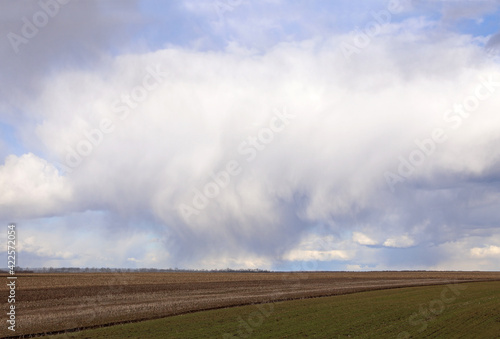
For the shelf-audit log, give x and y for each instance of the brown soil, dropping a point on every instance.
(54, 302)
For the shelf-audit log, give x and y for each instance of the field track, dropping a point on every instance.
(54, 302)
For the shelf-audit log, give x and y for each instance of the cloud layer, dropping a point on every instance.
(267, 156)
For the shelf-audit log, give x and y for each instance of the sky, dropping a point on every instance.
(279, 135)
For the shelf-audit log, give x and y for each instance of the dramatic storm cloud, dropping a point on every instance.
(237, 134)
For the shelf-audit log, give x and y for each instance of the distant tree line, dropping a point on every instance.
(125, 270)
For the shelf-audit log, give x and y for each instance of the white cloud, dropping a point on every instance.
(310, 255)
(469, 253)
(32, 187)
(314, 247)
(73, 240)
(241, 261)
(399, 241)
(491, 251)
(31, 245)
(354, 120)
(362, 239)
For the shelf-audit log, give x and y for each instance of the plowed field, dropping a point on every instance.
(55, 302)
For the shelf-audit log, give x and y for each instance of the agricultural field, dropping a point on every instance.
(470, 310)
(50, 303)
